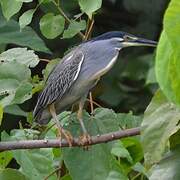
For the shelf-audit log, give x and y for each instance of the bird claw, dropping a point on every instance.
(67, 135)
(85, 140)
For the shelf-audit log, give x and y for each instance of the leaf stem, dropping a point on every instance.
(81, 35)
(53, 172)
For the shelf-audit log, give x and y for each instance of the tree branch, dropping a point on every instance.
(33, 144)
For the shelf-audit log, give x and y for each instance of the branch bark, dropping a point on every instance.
(33, 144)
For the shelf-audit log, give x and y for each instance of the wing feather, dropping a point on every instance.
(59, 81)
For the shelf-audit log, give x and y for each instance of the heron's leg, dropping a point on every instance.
(85, 136)
(61, 131)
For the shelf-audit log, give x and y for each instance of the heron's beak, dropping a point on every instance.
(145, 42)
(140, 42)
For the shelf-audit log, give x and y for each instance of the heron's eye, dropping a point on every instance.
(127, 38)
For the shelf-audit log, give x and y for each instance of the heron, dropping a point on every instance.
(77, 73)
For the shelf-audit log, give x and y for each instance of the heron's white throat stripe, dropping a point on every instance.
(108, 67)
(79, 67)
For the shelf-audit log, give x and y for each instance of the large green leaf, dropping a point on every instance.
(23, 93)
(167, 58)
(9, 7)
(90, 6)
(120, 151)
(15, 87)
(8, 174)
(14, 70)
(116, 175)
(15, 110)
(20, 55)
(52, 25)
(160, 122)
(168, 167)
(35, 164)
(171, 24)
(97, 162)
(167, 69)
(10, 33)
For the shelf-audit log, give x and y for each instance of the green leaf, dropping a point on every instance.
(7, 91)
(171, 24)
(44, 1)
(23, 93)
(151, 76)
(5, 158)
(26, 1)
(52, 25)
(140, 168)
(20, 134)
(26, 18)
(9, 174)
(167, 69)
(134, 147)
(128, 120)
(167, 58)
(20, 55)
(9, 33)
(120, 151)
(160, 122)
(74, 28)
(35, 164)
(168, 167)
(98, 159)
(8, 70)
(9, 8)
(15, 87)
(90, 6)
(114, 175)
(1, 114)
(15, 110)
(66, 177)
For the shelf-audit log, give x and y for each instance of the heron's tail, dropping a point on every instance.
(41, 116)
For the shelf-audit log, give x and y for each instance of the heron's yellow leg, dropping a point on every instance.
(61, 131)
(85, 137)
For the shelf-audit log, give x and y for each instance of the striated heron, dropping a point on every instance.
(77, 73)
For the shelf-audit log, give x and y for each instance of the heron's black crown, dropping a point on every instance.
(111, 34)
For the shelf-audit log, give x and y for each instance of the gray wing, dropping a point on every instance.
(59, 81)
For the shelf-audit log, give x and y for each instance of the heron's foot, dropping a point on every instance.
(85, 140)
(67, 135)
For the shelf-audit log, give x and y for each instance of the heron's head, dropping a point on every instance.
(123, 39)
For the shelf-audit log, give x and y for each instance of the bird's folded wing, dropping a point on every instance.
(60, 80)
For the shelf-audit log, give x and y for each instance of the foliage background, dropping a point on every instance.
(127, 89)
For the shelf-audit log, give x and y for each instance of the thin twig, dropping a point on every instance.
(53, 172)
(44, 60)
(90, 28)
(81, 35)
(94, 102)
(34, 144)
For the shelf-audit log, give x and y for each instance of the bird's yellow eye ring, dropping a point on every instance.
(129, 38)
